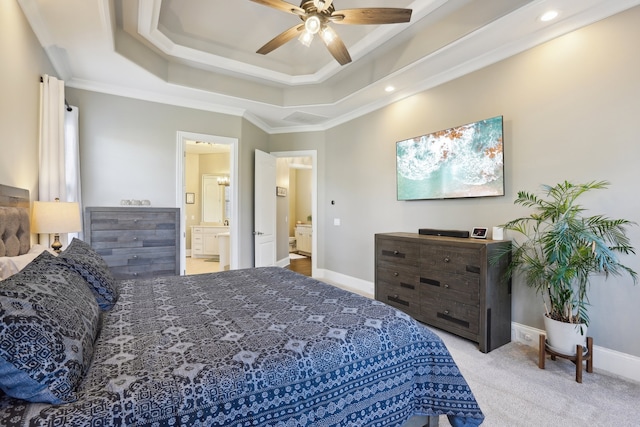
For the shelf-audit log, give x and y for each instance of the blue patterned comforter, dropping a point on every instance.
(257, 347)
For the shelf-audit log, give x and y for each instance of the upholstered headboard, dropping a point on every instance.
(15, 235)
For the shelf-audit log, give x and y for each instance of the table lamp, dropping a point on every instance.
(55, 218)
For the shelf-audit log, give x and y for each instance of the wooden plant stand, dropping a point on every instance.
(577, 359)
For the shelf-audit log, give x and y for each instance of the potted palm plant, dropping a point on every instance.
(560, 249)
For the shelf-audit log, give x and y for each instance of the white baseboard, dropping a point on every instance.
(283, 262)
(617, 363)
(349, 283)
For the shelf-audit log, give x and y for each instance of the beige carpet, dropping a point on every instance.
(512, 391)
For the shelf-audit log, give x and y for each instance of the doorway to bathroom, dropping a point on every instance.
(297, 236)
(209, 200)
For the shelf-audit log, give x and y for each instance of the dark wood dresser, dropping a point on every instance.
(448, 283)
(135, 242)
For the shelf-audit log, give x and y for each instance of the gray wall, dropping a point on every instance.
(128, 150)
(22, 62)
(571, 110)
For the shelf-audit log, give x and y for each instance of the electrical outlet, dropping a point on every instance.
(524, 336)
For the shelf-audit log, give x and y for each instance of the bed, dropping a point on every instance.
(251, 347)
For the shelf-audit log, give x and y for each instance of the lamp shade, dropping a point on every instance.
(55, 217)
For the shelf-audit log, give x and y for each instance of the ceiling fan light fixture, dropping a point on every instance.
(328, 35)
(312, 24)
(306, 38)
(322, 4)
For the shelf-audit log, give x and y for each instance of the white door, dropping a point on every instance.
(264, 230)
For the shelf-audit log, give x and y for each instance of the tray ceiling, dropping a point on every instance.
(202, 53)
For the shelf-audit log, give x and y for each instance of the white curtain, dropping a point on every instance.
(59, 175)
(72, 161)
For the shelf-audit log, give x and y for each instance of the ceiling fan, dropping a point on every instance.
(318, 14)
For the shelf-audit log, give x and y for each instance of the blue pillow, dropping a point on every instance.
(94, 269)
(48, 323)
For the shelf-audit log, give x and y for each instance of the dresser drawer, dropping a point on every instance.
(132, 221)
(464, 288)
(140, 271)
(128, 262)
(407, 278)
(393, 252)
(454, 260)
(451, 314)
(109, 239)
(402, 298)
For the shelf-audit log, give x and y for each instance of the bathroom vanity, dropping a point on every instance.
(304, 238)
(205, 240)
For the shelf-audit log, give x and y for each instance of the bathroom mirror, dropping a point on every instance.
(215, 198)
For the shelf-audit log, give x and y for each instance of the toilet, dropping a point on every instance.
(292, 244)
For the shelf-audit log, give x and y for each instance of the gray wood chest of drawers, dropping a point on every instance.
(135, 242)
(448, 283)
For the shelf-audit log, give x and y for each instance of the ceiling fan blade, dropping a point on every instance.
(371, 16)
(338, 50)
(281, 39)
(282, 5)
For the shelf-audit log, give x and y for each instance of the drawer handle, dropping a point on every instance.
(135, 220)
(446, 286)
(135, 274)
(397, 300)
(135, 239)
(472, 269)
(446, 312)
(447, 259)
(448, 318)
(397, 254)
(429, 281)
(396, 274)
(135, 257)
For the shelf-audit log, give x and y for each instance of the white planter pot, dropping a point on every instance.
(563, 337)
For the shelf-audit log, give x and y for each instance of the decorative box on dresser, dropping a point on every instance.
(447, 282)
(135, 242)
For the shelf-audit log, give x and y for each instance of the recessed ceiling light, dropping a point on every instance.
(389, 89)
(549, 16)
